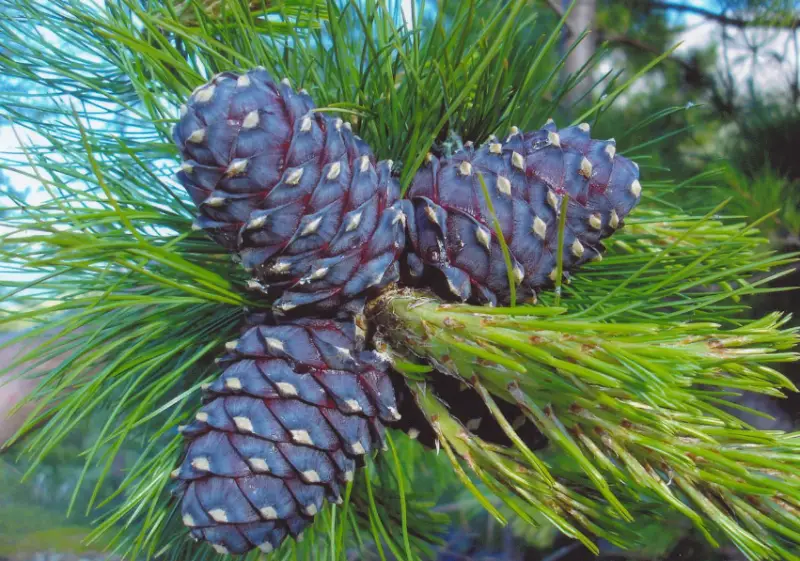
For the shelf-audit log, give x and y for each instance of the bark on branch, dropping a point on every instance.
(782, 22)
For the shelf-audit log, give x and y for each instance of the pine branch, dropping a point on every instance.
(638, 407)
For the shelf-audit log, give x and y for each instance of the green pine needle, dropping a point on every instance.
(636, 406)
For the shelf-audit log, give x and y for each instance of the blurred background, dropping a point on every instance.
(727, 95)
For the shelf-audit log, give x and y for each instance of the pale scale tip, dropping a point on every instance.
(517, 160)
(259, 465)
(311, 227)
(256, 223)
(311, 476)
(294, 176)
(221, 549)
(519, 273)
(319, 273)
(353, 221)
(483, 236)
(586, 168)
(334, 171)
(236, 167)
(286, 389)
(539, 227)
(214, 201)
(577, 248)
(250, 120)
(613, 221)
(352, 406)
(552, 200)
(431, 214)
(205, 94)
(503, 185)
(400, 216)
(280, 266)
(269, 513)
(218, 515)
(302, 437)
(197, 136)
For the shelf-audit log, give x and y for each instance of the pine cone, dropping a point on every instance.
(293, 192)
(281, 430)
(452, 233)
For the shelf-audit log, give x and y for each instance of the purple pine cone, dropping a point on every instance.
(280, 431)
(451, 230)
(294, 192)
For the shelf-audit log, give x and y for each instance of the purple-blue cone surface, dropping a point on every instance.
(279, 432)
(452, 233)
(301, 199)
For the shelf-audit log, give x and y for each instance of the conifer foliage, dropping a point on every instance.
(230, 336)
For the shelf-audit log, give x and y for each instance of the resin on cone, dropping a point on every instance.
(292, 191)
(452, 233)
(280, 432)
